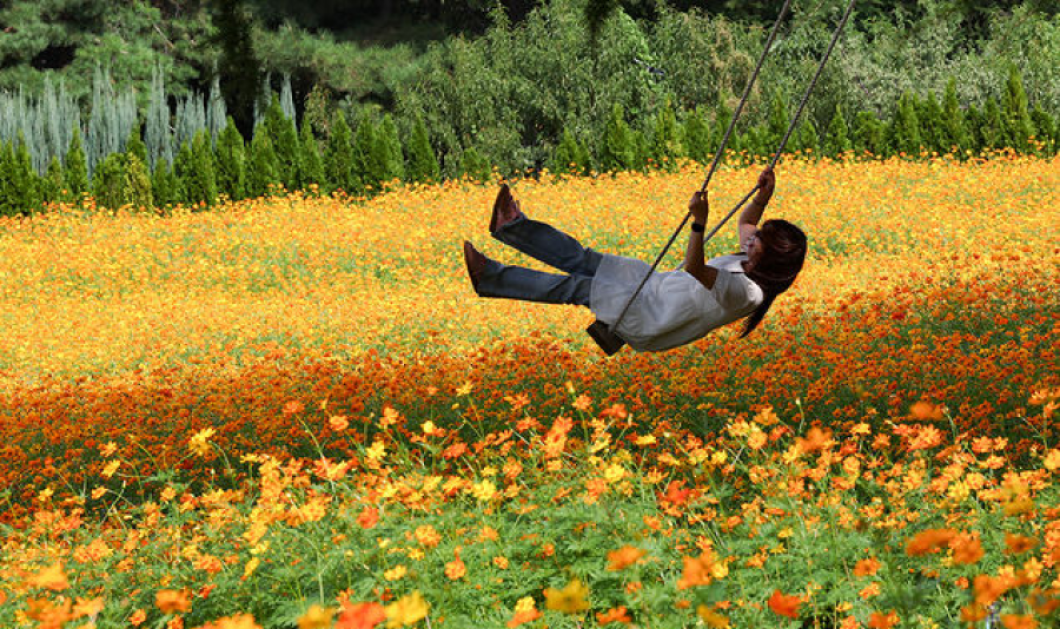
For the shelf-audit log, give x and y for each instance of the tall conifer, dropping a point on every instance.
(76, 168)
(262, 166)
(698, 140)
(284, 139)
(231, 162)
(837, 138)
(338, 157)
(310, 166)
(1017, 126)
(422, 163)
(617, 148)
(954, 134)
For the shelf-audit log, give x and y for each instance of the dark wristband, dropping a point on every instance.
(696, 227)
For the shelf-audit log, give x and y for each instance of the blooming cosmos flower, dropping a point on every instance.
(407, 610)
(784, 605)
(571, 599)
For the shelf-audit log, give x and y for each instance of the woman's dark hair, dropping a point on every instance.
(783, 252)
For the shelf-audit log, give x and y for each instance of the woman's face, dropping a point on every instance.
(754, 248)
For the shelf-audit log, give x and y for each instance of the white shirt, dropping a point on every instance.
(673, 308)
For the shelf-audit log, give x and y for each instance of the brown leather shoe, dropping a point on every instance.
(500, 205)
(476, 264)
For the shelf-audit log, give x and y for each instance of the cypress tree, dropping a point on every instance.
(367, 156)
(837, 138)
(231, 162)
(262, 175)
(310, 166)
(868, 134)
(931, 127)
(423, 163)
(53, 186)
(565, 158)
(667, 145)
(122, 180)
(993, 125)
(183, 164)
(238, 67)
(200, 183)
(778, 123)
(393, 156)
(165, 187)
(974, 129)
(698, 141)
(1044, 127)
(903, 134)
(722, 118)
(1017, 126)
(954, 136)
(618, 149)
(76, 168)
(136, 146)
(338, 156)
(475, 165)
(26, 193)
(7, 186)
(805, 138)
(284, 139)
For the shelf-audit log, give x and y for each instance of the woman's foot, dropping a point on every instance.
(505, 209)
(476, 264)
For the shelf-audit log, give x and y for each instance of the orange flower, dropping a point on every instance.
(988, 589)
(624, 557)
(137, 618)
(173, 601)
(816, 439)
(973, 613)
(697, 571)
(929, 541)
(51, 578)
(883, 621)
(1018, 544)
(522, 617)
(966, 548)
(615, 614)
(925, 411)
(360, 616)
(368, 518)
(456, 569)
(784, 605)
(1012, 621)
(866, 567)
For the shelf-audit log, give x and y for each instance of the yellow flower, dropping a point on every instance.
(395, 573)
(571, 599)
(200, 442)
(316, 617)
(110, 469)
(408, 610)
(376, 452)
(712, 618)
(484, 491)
(1052, 460)
(525, 604)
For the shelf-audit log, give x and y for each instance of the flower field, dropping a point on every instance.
(294, 412)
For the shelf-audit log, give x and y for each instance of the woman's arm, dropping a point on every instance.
(695, 265)
(752, 212)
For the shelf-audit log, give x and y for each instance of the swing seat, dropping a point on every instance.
(605, 338)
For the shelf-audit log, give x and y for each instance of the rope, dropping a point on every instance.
(772, 163)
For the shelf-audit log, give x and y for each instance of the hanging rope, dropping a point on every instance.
(602, 333)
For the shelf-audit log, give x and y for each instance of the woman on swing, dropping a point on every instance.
(673, 308)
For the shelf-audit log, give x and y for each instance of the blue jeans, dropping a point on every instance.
(551, 246)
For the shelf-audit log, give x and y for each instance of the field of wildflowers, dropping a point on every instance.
(294, 412)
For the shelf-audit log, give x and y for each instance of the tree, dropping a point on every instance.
(932, 131)
(903, 134)
(565, 158)
(338, 156)
(200, 183)
(617, 150)
(53, 185)
(284, 138)
(1045, 130)
(667, 144)
(992, 128)
(122, 180)
(165, 187)
(954, 136)
(422, 163)
(868, 134)
(136, 146)
(392, 156)
(239, 68)
(310, 166)
(23, 183)
(76, 168)
(367, 156)
(231, 161)
(475, 165)
(698, 139)
(837, 138)
(1017, 126)
(262, 168)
